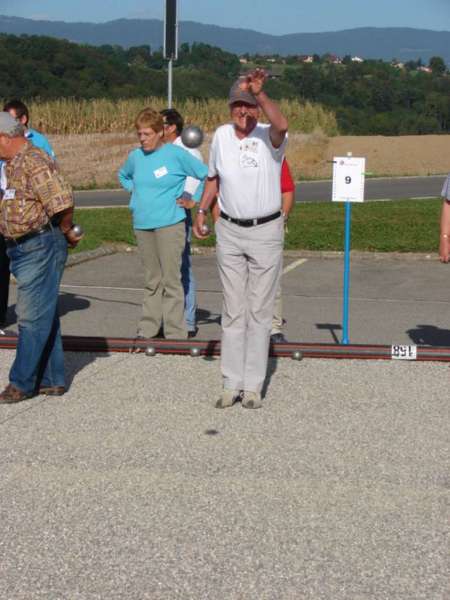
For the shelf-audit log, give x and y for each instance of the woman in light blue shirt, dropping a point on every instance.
(155, 174)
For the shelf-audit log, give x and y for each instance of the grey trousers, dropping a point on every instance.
(161, 250)
(250, 264)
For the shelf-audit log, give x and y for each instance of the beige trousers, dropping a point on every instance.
(277, 319)
(160, 251)
(250, 264)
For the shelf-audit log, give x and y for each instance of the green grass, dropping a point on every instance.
(398, 226)
(103, 226)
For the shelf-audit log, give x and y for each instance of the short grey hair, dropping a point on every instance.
(10, 126)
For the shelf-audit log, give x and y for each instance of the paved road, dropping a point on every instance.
(310, 191)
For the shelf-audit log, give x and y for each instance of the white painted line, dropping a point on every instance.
(123, 289)
(101, 287)
(423, 197)
(294, 265)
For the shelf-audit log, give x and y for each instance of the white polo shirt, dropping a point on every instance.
(249, 171)
(191, 184)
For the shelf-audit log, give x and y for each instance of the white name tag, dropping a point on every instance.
(9, 194)
(160, 172)
(250, 146)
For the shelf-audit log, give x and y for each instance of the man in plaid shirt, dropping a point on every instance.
(36, 210)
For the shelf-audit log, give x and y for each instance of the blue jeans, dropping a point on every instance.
(38, 265)
(188, 279)
(4, 280)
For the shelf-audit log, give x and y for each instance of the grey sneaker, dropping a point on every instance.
(252, 400)
(228, 398)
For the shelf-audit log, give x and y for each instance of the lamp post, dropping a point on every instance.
(170, 43)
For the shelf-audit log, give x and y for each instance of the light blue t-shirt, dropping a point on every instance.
(40, 141)
(156, 180)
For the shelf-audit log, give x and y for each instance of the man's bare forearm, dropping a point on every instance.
(287, 202)
(278, 122)
(445, 218)
(209, 193)
(66, 219)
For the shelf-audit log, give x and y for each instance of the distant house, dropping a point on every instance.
(306, 59)
(397, 64)
(357, 59)
(271, 73)
(425, 69)
(333, 59)
(243, 60)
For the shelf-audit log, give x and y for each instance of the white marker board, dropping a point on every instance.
(348, 179)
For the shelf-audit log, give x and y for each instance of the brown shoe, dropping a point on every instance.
(12, 394)
(52, 390)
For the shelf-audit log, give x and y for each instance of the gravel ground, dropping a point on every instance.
(132, 486)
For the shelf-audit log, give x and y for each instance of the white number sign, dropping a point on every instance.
(402, 352)
(348, 179)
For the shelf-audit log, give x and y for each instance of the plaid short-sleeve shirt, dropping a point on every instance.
(35, 192)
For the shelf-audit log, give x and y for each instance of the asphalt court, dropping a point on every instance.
(393, 300)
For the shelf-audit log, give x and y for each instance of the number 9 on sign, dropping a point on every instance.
(403, 352)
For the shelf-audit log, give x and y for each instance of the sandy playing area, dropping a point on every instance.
(93, 160)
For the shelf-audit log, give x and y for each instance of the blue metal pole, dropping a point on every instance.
(348, 221)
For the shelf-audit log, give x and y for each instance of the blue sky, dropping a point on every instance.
(296, 16)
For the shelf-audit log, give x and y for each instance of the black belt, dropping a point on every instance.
(250, 222)
(28, 236)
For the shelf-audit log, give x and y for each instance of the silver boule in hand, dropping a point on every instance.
(77, 230)
(192, 136)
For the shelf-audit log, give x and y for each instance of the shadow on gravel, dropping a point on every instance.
(74, 362)
(271, 369)
(429, 335)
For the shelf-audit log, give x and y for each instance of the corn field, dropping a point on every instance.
(71, 116)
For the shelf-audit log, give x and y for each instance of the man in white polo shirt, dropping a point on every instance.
(244, 170)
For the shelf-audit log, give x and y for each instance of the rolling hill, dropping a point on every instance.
(368, 42)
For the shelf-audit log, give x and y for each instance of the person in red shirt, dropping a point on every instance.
(288, 199)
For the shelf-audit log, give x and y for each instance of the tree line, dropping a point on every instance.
(371, 97)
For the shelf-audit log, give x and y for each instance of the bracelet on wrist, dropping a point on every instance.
(201, 211)
(446, 236)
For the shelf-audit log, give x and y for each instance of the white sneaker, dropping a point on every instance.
(251, 400)
(228, 398)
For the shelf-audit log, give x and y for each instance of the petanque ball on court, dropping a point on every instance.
(192, 136)
(195, 352)
(78, 230)
(150, 351)
(297, 355)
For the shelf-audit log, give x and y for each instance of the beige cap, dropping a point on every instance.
(239, 95)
